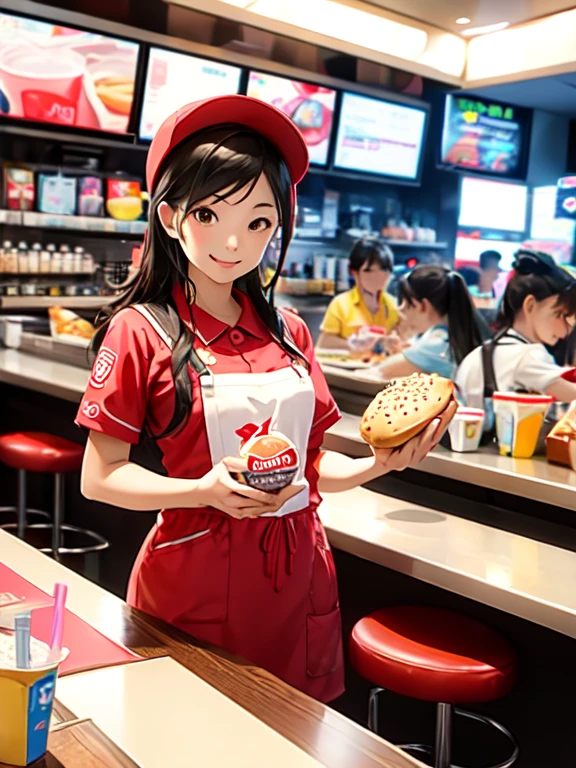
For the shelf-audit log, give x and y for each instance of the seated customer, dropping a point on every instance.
(489, 272)
(367, 304)
(538, 308)
(438, 309)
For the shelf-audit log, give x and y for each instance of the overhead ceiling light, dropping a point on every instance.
(474, 31)
(463, 20)
(343, 22)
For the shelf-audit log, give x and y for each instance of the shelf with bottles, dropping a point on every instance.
(89, 225)
(39, 260)
(24, 303)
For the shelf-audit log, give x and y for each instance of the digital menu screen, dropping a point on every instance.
(174, 79)
(484, 136)
(379, 137)
(493, 205)
(65, 76)
(545, 225)
(310, 106)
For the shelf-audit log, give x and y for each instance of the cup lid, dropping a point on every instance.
(527, 398)
(476, 413)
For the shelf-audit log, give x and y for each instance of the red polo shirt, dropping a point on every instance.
(132, 384)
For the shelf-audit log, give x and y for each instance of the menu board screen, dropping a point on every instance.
(379, 137)
(493, 205)
(310, 106)
(65, 76)
(483, 136)
(174, 79)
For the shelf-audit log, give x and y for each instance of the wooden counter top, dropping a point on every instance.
(289, 722)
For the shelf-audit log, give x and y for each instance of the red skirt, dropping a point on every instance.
(262, 588)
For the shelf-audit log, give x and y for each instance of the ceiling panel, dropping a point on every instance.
(443, 13)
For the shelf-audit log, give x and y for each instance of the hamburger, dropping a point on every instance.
(273, 460)
(405, 408)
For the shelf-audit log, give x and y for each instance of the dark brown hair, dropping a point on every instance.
(447, 293)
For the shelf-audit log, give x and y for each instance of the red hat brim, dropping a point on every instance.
(241, 110)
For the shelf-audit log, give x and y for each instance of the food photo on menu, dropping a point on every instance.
(310, 106)
(64, 76)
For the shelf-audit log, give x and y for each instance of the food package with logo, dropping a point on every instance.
(273, 460)
(90, 198)
(68, 326)
(57, 194)
(18, 188)
(124, 199)
(561, 440)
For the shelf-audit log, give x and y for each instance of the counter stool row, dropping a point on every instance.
(42, 452)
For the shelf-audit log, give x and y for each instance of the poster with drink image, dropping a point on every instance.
(310, 106)
(64, 76)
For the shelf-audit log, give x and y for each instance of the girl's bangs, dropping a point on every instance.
(405, 292)
(567, 300)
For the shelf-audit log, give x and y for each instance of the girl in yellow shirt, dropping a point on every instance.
(367, 304)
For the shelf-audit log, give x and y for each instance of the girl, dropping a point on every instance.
(196, 359)
(538, 308)
(437, 307)
(367, 304)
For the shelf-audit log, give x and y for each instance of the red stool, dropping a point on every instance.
(436, 655)
(41, 452)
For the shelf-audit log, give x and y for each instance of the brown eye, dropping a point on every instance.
(259, 225)
(205, 216)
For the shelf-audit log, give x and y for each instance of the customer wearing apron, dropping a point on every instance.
(438, 310)
(196, 360)
(538, 309)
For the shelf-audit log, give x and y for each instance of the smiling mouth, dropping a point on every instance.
(224, 263)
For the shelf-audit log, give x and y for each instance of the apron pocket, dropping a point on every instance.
(324, 652)
(185, 581)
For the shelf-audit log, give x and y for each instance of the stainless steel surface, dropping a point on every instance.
(373, 709)
(57, 379)
(530, 478)
(443, 742)
(58, 515)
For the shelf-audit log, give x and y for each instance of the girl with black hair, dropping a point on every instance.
(196, 359)
(537, 309)
(437, 308)
(350, 315)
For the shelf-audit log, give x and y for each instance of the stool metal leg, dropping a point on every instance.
(21, 505)
(373, 709)
(443, 744)
(58, 515)
(499, 727)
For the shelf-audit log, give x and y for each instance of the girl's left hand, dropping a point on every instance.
(412, 452)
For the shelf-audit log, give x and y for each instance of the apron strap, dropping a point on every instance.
(166, 323)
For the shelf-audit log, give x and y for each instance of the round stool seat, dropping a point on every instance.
(40, 452)
(433, 654)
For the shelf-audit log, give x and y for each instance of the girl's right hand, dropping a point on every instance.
(219, 490)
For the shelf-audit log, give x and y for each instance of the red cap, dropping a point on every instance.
(242, 110)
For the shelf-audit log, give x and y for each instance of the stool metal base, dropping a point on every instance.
(14, 511)
(99, 545)
(442, 748)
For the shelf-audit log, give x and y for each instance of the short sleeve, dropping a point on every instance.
(431, 353)
(333, 321)
(537, 370)
(115, 401)
(326, 412)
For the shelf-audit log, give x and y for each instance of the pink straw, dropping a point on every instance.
(60, 592)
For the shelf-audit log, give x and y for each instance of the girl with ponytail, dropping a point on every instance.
(537, 311)
(438, 309)
(195, 358)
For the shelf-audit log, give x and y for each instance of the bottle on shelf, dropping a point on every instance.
(78, 259)
(55, 259)
(23, 260)
(67, 259)
(11, 258)
(34, 258)
(87, 263)
(45, 261)
(4, 251)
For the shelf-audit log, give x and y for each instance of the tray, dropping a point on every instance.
(61, 351)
